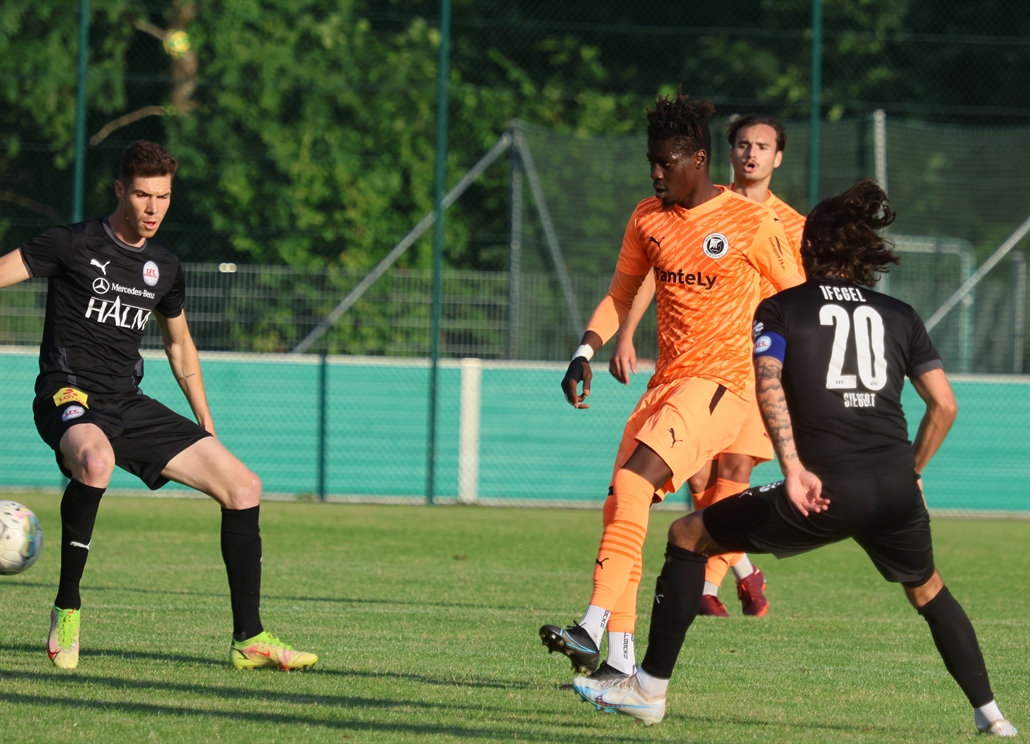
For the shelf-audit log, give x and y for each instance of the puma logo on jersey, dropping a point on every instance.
(674, 439)
(690, 280)
(600, 562)
(653, 239)
(101, 266)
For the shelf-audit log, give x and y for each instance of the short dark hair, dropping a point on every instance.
(844, 235)
(682, 121)
(143, 159)
(750, 120)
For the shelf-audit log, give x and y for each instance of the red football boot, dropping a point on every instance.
(749, 591)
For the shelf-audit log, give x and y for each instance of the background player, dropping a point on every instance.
(831, 359)
(106, 278)
(707, 248)
(757, 143)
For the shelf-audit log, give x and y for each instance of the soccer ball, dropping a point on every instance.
(21, 539)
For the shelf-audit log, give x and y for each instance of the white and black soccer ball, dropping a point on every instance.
(21, 539)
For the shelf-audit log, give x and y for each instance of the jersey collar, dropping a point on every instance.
(121, 243)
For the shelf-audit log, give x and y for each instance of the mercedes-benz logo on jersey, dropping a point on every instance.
(101, 285)
(150, 273)
(716, 245)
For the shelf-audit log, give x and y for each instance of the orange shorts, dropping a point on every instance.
(752, 439)
(687, 422)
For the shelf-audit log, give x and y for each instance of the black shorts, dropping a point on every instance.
(885, 514)
(144, 434)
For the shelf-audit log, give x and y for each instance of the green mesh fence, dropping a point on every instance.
(304, 130)
(529, 447)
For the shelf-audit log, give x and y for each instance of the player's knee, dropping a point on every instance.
(703, 479)
(94, 467)
(248, 490)
(736, 468)
(919, 595)
(686, 531)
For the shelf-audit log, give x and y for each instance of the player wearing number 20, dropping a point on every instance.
(831, 357)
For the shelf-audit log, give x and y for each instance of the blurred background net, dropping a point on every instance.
(305, 132)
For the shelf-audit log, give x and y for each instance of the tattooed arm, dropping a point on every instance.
(804, 489)
(185, 362)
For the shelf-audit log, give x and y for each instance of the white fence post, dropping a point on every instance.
(468, 431)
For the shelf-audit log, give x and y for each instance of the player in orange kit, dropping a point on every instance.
(757, 143)
(707, 247)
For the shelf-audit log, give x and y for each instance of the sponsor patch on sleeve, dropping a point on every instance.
(70, 395)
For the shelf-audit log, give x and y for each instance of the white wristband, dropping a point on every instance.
(586, 351)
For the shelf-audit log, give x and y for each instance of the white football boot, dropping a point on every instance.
(621, 696)
(1001, 727)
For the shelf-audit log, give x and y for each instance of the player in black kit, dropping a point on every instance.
(831, 357)
(107, 277)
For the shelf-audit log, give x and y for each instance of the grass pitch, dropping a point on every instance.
(426, 623)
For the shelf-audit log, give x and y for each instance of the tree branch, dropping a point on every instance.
(123, 121)
(150, 28)
(21, 201)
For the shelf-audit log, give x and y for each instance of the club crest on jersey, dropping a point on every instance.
(72, 412)
(716, 246)
(150, 273)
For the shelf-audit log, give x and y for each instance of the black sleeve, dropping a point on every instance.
(923, 357)
(172, 303)
(48, 254)
(768, 317)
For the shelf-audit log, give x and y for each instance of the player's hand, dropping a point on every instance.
(579, 370)
(624, 360)
(805, 491)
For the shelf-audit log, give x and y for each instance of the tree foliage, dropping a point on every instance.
(306, 128)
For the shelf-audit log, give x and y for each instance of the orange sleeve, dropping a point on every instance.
(633, 259)
(613, 309)
(771, 254)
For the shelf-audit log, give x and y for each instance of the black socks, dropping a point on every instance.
(241, 551)
(956, 641)
(677, 599)
(78, 515)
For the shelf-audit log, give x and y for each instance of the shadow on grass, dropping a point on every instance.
(269, 597)
(95, 652)
(440, 681)
(501, 731)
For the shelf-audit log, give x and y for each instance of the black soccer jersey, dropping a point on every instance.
(100, 296)
(848, 351)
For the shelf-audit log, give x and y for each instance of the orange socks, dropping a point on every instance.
(718, 565)
(622, 541)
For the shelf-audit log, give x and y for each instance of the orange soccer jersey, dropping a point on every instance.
(706, 262)
(793, 225)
